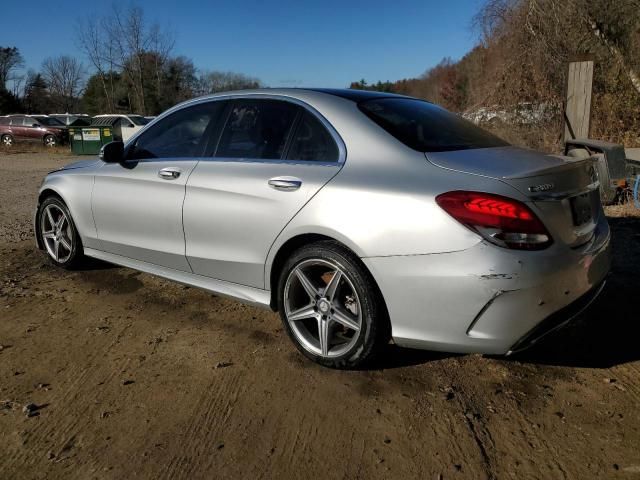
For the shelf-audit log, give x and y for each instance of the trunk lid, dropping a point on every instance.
(564, 190)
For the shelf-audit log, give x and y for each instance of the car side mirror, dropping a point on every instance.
(131, 125)
(112, 152)
(35, 125)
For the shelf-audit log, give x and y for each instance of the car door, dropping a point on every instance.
(18, 130)
(137, 205)
(32, 129)
(264, 170)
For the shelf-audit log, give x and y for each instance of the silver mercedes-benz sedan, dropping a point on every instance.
(361, 217)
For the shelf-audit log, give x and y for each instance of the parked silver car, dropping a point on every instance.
(359, 216)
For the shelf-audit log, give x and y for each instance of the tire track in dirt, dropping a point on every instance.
(474, 422)
(626, 376)
(480, 425)
(440, 440)
(209, 417)
(57, 431)
(305, 444)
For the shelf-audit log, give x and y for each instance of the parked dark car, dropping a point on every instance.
(37, 128)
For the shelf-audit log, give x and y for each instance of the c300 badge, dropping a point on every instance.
(545, 187)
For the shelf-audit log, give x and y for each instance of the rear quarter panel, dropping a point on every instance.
(382, 203)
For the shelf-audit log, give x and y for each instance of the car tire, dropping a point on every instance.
(7, 140)
(348, 313)
(59, 238)
(49, 141)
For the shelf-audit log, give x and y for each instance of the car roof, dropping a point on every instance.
(354, 94)
(344, 93)
(119, 115)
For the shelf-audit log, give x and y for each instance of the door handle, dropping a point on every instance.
(169, 173)
(287, 184)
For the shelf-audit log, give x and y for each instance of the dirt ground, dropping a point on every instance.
(135, 376)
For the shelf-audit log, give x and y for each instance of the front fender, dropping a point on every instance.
(75, 190)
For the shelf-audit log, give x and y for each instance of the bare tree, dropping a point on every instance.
(132, 41)
(64, 76)
(99, 51)
(16, 82)
(10, 59)
(212, 82)
(124, 42)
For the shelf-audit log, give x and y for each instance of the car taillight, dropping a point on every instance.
(500, 220)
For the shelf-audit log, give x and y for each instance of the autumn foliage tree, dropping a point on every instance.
(521, 60)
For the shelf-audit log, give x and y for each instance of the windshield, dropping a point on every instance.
(49, 122)
(426, 127)
(138, 119)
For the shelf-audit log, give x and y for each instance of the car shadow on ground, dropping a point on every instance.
(91, 264)
(393, 356)
(609, 332)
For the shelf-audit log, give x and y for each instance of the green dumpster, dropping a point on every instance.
(89, 140)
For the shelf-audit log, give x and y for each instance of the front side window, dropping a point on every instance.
(29, 121)
(426, 127)
(181, 134)
(312, 142)
(257, 129)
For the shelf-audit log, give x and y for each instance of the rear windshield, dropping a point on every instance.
(426, 127)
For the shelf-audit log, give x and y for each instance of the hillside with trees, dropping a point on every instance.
(518, 70)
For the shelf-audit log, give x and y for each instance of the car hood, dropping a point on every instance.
(80, 164)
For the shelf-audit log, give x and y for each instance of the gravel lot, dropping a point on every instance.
(108, 373)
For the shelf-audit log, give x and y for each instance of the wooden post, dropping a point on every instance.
(578, 113)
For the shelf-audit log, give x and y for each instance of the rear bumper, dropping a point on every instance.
(558, 320)
(487, 299)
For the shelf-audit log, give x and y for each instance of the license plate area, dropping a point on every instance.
(581, 209)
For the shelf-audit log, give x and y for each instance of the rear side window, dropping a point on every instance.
(426, 127)
(257, 129)
(181, 134)
(4, 121)
(312, 142)
(48, 121)
(138, 120)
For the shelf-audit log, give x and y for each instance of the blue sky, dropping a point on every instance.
(286, 43)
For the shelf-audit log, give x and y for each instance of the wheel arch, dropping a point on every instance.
(42, 196)
(292, 244)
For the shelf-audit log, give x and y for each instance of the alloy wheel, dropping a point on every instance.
(50, 141)
(57, 233)
(7, 140)
(322, 308)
